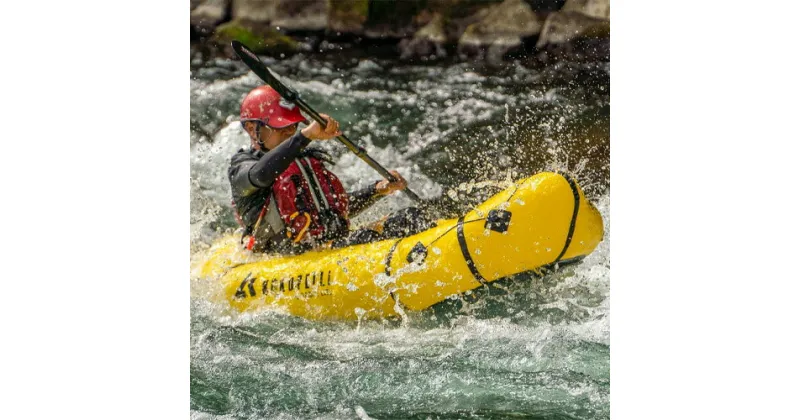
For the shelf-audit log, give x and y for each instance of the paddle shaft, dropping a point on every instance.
(261, 70)
(358, 150)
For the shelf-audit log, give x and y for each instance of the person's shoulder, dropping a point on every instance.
(319, 154)
(242, 155)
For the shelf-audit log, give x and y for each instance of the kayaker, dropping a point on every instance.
(285, 198)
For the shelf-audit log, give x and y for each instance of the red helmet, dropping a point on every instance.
(266, 105)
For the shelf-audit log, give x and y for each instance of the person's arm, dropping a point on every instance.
(367, 196)
(250, 175)
(361, 199)
(274, 162)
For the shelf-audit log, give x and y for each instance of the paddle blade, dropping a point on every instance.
(252, 61)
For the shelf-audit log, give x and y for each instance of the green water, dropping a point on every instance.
(528, 348)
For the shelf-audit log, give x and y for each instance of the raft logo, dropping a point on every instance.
(240, 294)
(306, 284)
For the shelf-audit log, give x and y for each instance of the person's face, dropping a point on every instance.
(272, 137)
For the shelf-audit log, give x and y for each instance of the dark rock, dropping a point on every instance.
(261, 39)
(545, 5)
(208, 13)
(428, 40)
(392, 19)
(254, 11)
(301, 15)
(500, 31)
(454, 9)
(594, 8)
(347, 16)
(564, 27)
(490, 30)
(457, 15)
(293, 15)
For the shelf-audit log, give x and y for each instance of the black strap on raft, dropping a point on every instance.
(389, 265)
(462, 242)
(389, 257)
(576, 194)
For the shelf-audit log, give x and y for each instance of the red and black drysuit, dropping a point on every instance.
(265, 185)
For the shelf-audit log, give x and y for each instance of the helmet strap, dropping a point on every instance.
(258, 136)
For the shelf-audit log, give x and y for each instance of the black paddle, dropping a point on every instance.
(250, 59)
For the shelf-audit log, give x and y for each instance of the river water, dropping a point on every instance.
(530, 348)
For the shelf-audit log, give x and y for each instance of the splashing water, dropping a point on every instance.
(533, 347)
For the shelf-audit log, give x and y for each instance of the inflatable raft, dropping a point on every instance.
(539, 221)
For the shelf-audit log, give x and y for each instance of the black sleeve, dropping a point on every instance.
(361, 199)
(247, 174)
(238, 176)
(274, 162)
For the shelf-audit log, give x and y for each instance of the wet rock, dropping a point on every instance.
(454, 9)
(500, 31)
(254, 11)
(260, 38)
(299, 15)
(428, 40)
(392, 19)
(545, 5)
(594, 8)
(347, 16)
(564, 27)
(456, 21)
(208, 13)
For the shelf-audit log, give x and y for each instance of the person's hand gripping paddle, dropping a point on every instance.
(252, 61)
